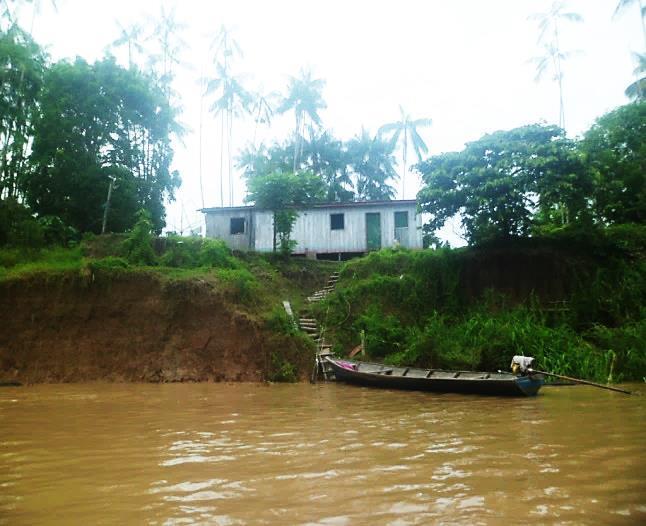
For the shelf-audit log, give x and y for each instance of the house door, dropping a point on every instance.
(373, 231)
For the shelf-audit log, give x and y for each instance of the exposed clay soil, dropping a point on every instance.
(132, 327)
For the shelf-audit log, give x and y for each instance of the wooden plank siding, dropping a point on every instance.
(313, 230)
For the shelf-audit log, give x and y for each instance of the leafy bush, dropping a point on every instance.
(108, 263)
(18, 227)
(56, 232)
(138, 245)
(238, 284)
(384, 334)
(216, 253)
(278, 321)
(281, 370)
(181, 252)
(626, 344)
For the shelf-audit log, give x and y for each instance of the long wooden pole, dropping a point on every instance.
(577, 380)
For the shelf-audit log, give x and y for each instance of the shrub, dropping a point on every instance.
(138, 245)
(108, 263)
(56, 232)
(181, 252)
(238, 284)
(215, 253)
(278, 321)
(18, 227)
(281, 370)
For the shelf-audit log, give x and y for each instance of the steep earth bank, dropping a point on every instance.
(75, 327)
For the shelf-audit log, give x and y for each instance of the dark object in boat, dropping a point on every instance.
(469, 382)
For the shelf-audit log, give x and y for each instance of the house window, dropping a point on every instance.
(401, 219)
(236, 225)
(336, 222)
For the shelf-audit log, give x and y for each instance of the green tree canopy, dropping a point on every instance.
(282, 193)
(98, 121)
(372, 162)
(22, 63)
(615, 148)
(505, 183)
(362, 168)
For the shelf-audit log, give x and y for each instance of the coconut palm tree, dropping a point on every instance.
(324, 156)
(232, 99)
(405, 132)
(642, 12)
(549, 37)
(129, 36)
(304, 97)
(262, 110)
(637, 89)
(373, 165)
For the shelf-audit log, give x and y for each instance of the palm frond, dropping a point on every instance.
(622, 5)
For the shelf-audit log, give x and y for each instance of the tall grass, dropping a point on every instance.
(419, 308)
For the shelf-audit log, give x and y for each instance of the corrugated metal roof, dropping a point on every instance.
(349, 204)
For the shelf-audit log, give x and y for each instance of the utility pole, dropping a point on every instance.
(107, 203)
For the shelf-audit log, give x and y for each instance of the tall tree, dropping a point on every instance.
(232, 99)
(129, 36)
(405, 132)
(615, 147)
(167, 33)
(550, 37)
(505, 183)
(97, 122)
(637, 89)
(22, 65)
(325, 156)
(262, 109)
(623, 4)
(282, 193)
(371, 161)
(305, 98)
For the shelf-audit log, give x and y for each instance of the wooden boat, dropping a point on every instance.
(470, 382)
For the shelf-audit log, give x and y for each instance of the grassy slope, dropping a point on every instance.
(575, 304)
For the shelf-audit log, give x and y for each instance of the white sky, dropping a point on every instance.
(462, 63)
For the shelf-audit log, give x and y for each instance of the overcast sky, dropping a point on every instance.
(463, 63)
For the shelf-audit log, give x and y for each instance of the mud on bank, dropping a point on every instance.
(134, 327)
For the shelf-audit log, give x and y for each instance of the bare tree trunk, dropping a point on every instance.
(200, 147)
(230, 125)
(404, 157)
(222, 159)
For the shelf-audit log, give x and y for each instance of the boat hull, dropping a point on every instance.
(496, 384)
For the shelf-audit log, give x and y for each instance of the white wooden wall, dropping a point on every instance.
(312, 230)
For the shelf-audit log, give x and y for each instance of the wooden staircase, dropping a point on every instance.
(329, 287)
(310, 325)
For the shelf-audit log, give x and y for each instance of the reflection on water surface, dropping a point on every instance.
(325, 454)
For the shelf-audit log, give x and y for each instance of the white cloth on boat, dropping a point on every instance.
(523, 362)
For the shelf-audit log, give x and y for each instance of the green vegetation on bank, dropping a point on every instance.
(252, 285)
(575, 303)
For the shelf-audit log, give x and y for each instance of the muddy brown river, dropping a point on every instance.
(325, 454)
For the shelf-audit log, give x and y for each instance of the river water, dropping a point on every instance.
(325, 454)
